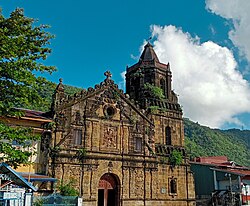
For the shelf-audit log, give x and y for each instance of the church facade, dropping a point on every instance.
(123, 149)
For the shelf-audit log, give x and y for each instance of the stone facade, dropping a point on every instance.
(118, 147)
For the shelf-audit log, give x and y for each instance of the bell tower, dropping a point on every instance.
(148, 82)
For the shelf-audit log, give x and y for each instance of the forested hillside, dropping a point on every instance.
(204, 141)
(46, 92)
(199, 140)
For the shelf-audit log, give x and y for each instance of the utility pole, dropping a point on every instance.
(231, 201)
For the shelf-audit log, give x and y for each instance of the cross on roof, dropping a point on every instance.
(108, 74)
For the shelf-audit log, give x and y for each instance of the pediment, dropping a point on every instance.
(105, 100)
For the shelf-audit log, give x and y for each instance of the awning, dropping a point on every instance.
(15, 177)
(242, 172)
(32, 177)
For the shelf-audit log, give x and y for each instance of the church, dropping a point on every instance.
(122, 149)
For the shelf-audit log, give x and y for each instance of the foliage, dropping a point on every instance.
(23, 47)
(175, 158)
(154, 109)
(46, 92)
(20, 136)
(70, 90)
(67, 188)
(204, 141)
(81, 153)
(38, 202)
(154, 91)
(243, 135)
(138, 73)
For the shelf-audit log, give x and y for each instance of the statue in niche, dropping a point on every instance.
(78, 119)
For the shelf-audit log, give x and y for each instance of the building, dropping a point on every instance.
(13, 187)
(123, 148)
(220, 182)
(37, 121)
(34, 172)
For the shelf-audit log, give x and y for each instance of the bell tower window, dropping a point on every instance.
(168, 135)
(137, 87)
(163, 86)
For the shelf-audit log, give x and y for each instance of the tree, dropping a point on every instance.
(23, 48)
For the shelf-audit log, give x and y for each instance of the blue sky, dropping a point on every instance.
(205, 41)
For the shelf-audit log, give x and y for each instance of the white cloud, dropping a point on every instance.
(238, 12)
(122, 84)
(212, 29)
(134, 57)
(210, 88)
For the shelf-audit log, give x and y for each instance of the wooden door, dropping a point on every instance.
(108, 191)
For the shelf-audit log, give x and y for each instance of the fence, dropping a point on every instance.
(56, 200)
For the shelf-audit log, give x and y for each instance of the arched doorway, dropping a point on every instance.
(109, 190)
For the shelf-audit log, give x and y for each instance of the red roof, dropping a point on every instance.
(35, 114)
(211, 159)
(221, 163)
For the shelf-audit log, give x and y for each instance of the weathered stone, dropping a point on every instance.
(125, 146)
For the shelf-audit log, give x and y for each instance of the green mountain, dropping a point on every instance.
(46, 91)
(204, 141)
(199, 140)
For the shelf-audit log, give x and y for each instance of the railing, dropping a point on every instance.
(166, 150)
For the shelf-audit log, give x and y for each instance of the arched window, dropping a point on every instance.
(173, 186)
(163, 86)
(137, 87)
(168, 136)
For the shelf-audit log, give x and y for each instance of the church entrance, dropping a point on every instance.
(108, 190)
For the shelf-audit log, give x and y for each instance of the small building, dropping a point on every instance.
(34, 172)
(220, 182)
(14, 189)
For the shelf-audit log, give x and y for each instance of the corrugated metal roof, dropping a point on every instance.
(234, 171)
(35, 114)
(15, 177)
(32, 177)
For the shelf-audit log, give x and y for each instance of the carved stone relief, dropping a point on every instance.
(139, 179)
(109, 137)
(78, 118)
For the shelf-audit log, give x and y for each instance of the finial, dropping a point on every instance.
(60, 86)
(148, 44)
(168, 65)
(149, 39)
(108, 74)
